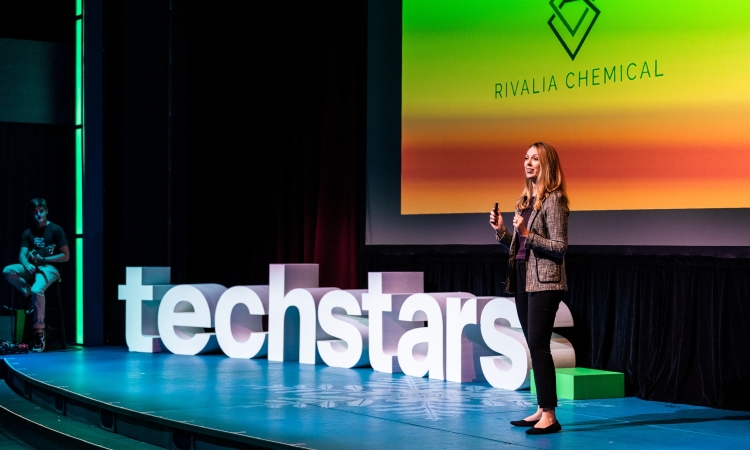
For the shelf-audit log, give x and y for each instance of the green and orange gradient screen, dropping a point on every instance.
(647, 102)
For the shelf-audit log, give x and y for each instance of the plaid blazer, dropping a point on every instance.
(546, 245)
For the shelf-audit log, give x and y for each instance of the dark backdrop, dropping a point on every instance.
(269, 167)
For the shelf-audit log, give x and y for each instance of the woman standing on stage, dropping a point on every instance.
(536, 271)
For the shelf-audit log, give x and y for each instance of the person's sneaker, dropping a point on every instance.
(38, 343)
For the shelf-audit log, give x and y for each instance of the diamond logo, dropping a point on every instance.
(571, 22)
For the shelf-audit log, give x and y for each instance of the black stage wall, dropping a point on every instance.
(269, 168)
(137, 184)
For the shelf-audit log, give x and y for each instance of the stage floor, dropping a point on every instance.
(328, 408)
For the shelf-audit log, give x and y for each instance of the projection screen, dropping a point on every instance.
(647, 103)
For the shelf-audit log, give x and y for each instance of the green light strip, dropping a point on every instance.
(79, 72)
(79, 149)
(79, 290)
(79, 181)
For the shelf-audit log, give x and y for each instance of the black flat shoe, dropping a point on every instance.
(524, 423)
(554, 428)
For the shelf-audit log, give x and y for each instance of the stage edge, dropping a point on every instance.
(133, 424)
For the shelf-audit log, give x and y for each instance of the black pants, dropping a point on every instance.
(536, 311)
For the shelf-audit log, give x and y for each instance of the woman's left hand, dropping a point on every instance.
(519, 224)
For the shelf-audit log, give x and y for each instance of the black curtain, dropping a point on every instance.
(137, 182)
(675, 323)
(677, 326)
(270, 167)
(277, 156)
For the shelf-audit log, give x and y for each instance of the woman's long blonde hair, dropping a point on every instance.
(550, 179)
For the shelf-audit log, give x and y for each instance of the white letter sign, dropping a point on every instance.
(393, 326)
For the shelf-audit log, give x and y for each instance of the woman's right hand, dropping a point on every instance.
(496, 220)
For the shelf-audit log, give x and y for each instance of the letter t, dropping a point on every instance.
(142, 318)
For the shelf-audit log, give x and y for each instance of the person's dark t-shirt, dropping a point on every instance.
(46, 241)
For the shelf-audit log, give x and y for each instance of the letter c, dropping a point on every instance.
(570, 86)
(627, 71)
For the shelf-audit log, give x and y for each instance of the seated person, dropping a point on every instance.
(42, 246)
